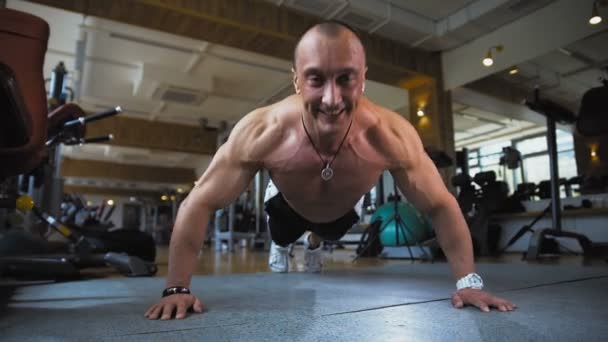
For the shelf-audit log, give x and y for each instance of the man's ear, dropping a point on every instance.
(295, 80)
(364, 79)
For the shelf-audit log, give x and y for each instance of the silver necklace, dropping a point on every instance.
(327, 172)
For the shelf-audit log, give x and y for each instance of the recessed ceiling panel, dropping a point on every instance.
(433, 9)
(594, 47)
(559, 62)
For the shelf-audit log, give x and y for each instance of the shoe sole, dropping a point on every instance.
(278, 271)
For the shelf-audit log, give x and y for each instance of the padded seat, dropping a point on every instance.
(23, 44)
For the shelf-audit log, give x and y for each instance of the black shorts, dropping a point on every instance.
(286, 226)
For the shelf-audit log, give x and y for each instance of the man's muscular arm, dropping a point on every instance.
(224, 180)
(231, 170)
(418, 179)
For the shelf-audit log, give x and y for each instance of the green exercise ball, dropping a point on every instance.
(418, 227)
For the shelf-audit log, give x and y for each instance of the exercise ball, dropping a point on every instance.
(417, 226)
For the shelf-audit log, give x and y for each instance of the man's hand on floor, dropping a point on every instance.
(481, 299)
(178, 303)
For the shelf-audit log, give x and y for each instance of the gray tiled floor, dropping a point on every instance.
(408, 302)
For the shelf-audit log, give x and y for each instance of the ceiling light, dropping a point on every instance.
(164, 197)
(420, 112)
(110, 202)
(593, 152)
(180, 190)
(595, 14)
(513, 71)
(488, 60)
(596, 19)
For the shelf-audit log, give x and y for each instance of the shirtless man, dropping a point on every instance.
(324, 147)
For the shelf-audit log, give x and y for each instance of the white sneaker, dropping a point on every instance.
(278, 261)
(313, 258)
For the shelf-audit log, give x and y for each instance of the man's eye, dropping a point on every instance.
(345, 79)
(315, 80)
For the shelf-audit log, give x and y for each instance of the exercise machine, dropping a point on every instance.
(478, 198)
(26, 139)
(553, 114)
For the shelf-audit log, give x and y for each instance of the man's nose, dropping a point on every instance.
(331, 96)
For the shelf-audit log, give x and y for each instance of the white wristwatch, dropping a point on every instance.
(472, 280)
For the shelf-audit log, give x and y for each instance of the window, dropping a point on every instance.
(473, 158)
(536, 157)
(532, 145)
(489, 155)
(566, 162)
(536, 168)
(487, 158)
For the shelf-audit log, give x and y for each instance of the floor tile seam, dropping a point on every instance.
(561, 282)
(556, 283)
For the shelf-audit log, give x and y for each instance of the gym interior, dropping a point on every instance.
(110, 111)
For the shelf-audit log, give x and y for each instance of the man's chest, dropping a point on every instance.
(301, 179)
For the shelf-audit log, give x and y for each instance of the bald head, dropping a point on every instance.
(333, 30)
(329, 75)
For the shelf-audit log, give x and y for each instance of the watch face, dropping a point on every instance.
(476, 279)
(472, 280)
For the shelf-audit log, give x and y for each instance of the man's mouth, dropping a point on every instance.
(332, 112)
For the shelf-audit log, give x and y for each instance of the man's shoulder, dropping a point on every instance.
(382, 125)
(261, 131)
(276, 116)
(391, 135)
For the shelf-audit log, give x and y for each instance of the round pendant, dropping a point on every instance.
(327, 173)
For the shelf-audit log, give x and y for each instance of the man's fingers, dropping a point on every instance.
(149, 311)
(198, 306)
(177, 307)
(481, 304)
(473, 297)
(502, 305)
(482, 300)
(167, 311)
(457, 301)
(497, 303)
(182, 307)
(510, 305)
(155, 312)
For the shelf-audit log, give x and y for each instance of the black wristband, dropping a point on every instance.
(175, 290)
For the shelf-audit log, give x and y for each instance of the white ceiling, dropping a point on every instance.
(136, 67)
(135, 156)
(474, 127)
(432, 9)
(434, 25)
(564, 75)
